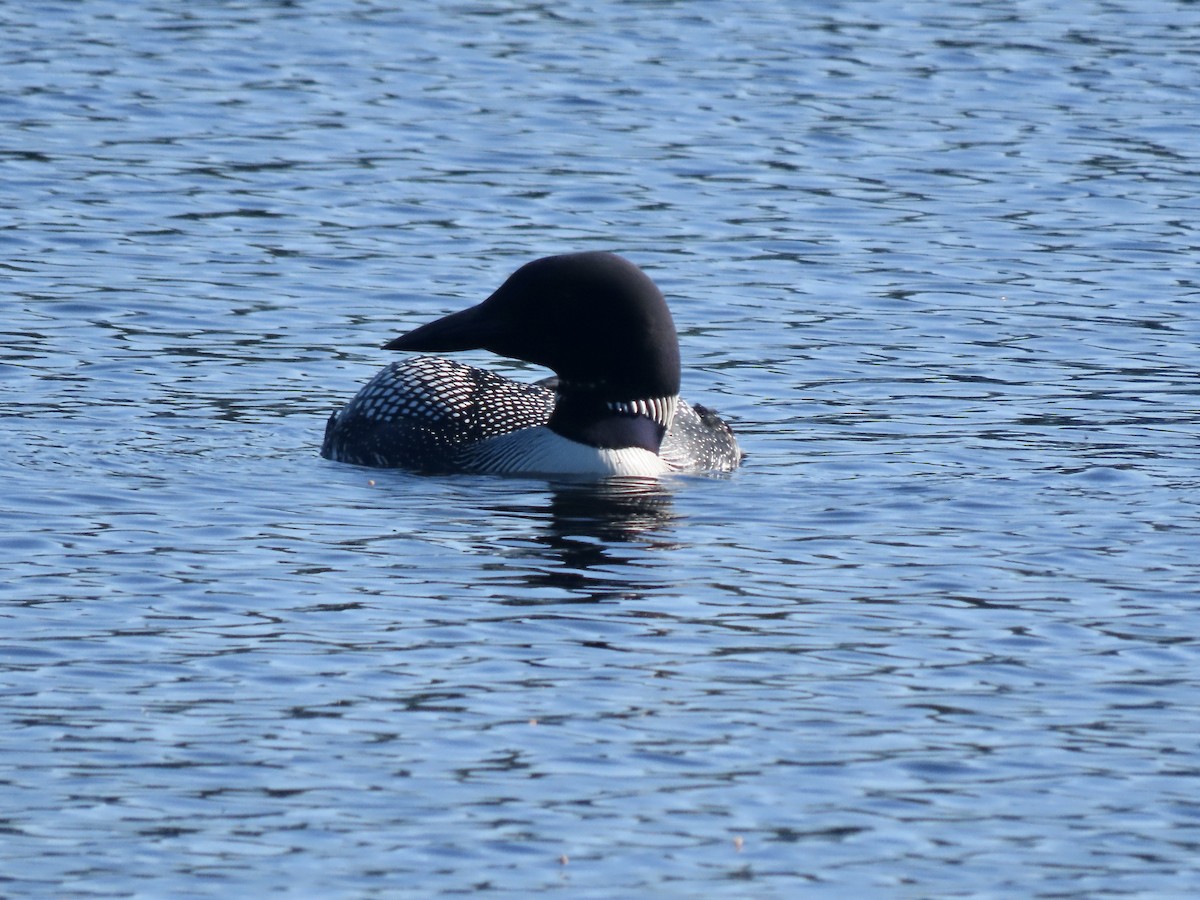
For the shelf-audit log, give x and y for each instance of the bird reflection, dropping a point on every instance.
(594, 539)
(619, 509)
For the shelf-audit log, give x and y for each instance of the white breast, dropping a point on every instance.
(540, 451)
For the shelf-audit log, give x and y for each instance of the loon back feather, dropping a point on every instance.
(419, 413)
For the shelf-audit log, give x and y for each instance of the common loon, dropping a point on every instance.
(601, 325)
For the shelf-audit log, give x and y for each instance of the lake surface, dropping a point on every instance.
(936, 263)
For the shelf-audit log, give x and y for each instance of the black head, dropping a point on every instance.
(594, 318)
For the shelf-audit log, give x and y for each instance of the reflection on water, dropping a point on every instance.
(578, 545)
(614, 511)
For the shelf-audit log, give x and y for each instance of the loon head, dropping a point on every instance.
(595, 319)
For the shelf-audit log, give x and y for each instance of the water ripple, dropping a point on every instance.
(935, 638)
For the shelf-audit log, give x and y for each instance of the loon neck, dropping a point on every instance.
(586, 417)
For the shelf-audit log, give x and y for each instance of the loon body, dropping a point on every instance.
(613, 408)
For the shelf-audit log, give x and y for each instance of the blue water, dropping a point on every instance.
(938, 637)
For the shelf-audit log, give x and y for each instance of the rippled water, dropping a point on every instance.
(937, 264)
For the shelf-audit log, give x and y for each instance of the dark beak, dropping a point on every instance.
(468, 329)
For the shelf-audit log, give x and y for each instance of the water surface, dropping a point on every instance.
(936, 263)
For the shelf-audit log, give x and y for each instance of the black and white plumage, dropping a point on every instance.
(595, 319)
